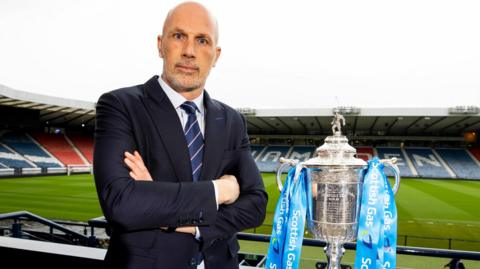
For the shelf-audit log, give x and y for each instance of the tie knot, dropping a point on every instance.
(189, 107)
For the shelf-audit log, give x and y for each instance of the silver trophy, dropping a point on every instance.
(336, 180)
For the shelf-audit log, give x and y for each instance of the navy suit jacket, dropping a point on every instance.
(143, 118)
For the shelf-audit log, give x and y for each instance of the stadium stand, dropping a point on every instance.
(58, 146)
(460, 162)
(365, 153)
(413, 162)
(302, 153)
(476, 153)
(84, 144)
(25, 146)
(10, 159)
(269, 160)
(402, 161)
(427, 163)
(256, 150)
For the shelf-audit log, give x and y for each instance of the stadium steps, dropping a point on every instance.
(56, 145)
(402, 160)
(30, 149)
(75, 148)
(445, 164)
(476, 153)
(84, 144)
(460, 162)
(409, 163)
(13, 159)
(427, 163)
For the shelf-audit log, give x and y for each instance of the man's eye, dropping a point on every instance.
(203, 41)
(177, 36)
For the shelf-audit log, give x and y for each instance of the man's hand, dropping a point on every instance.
(137, 167)
(185, 229)
(228, 189)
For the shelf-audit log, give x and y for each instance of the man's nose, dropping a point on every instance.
(189, 49)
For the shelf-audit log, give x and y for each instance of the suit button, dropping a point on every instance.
(193, 261)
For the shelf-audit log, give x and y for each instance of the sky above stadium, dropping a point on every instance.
(275, 54)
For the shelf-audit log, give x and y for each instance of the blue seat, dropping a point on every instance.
(26, 147)
(269, 160)
(256, 150)
(426, 163)
(460, 162)
(12, 160)
(388, 153)
(302, 153)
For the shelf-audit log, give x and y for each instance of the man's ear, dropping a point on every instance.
(218, 51)
(159, 45)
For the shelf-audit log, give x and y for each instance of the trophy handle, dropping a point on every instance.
(284, 163)
(390, 163)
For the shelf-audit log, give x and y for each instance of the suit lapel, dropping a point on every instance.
(169, 128)
(214, 138)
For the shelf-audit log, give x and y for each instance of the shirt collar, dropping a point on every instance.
(177, 99)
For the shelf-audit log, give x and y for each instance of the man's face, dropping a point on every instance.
(189, 49)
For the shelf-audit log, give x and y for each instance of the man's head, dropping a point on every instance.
(188, 46)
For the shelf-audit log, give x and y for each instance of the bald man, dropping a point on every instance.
(173, 170)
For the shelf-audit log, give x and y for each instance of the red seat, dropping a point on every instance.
(58, 146)
(85, 144)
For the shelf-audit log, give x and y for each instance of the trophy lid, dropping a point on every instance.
(335, 151)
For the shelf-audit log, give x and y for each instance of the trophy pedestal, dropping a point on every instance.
(334, 253)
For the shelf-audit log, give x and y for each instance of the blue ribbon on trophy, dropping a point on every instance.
(377, 230)
(289, 221)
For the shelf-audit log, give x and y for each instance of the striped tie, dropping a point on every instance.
(194, 139)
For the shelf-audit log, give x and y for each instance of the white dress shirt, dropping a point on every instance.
(177, 100)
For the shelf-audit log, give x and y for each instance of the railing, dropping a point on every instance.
(421, 241)
(16, 229)
(101, 223)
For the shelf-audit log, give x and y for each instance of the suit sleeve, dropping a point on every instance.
(136, 205)
(249, 209)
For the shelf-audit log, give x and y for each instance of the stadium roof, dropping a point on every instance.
(454, 121)
(53, 110)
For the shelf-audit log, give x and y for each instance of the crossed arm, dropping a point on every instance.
(226, 186)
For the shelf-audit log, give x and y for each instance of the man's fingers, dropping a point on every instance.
(132, 165)
(138, 157)
(133, 175)
(138, 169)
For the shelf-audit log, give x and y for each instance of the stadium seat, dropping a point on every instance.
(84, 143)
(460, 162)
(269, 160)
(302, 153)
(27, 147)
(426, 163)
(10, 159)
(391, 152)
(475, 152)
(256, 150)
(58, 146)
(365, 153)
